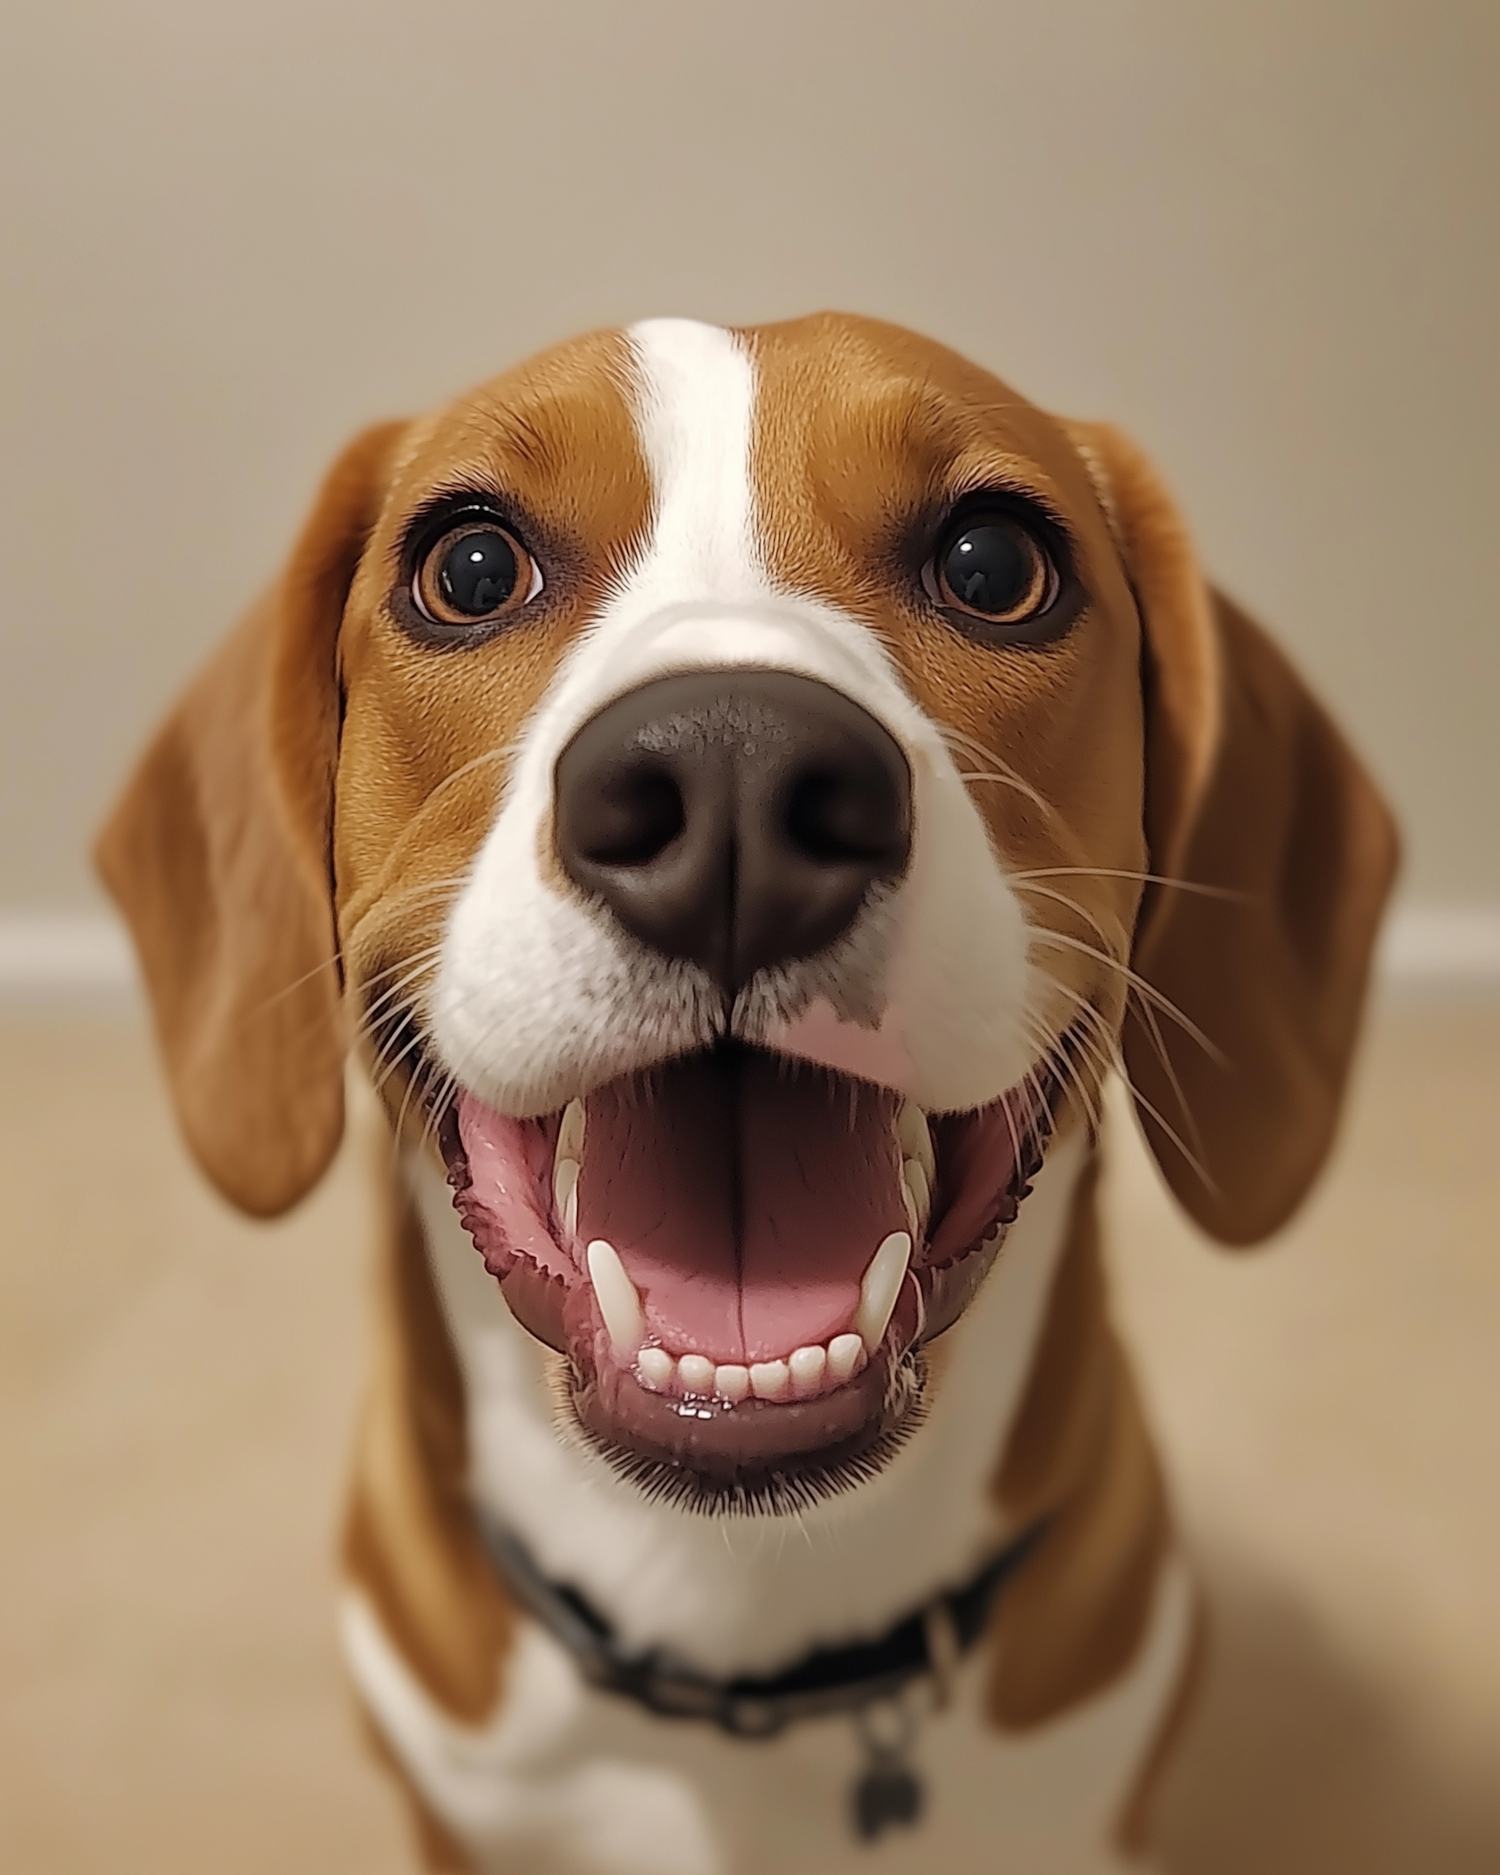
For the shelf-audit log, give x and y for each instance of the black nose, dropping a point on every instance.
(734, 817)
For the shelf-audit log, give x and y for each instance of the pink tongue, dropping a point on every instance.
(746, 1195)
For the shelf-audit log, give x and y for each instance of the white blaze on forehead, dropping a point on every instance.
(695, 409)
(699, 595)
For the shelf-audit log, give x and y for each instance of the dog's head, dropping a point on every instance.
(745, 789)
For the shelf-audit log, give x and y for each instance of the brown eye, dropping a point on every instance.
(473, 573)
(992, 568)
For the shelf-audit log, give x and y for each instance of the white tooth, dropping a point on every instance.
(696, 1372)
(770, 1380)
(807, 1366)
(917, 1183)
(845, 1352)
(915, 1138)
(655, 1366)
(565, 1193)
(570, 1132)
(732, 1383)
(618, 1302)
(880, 1288)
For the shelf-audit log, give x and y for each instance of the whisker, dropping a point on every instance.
(1200, 1169)
(1163, 1054)
(1049, 1044)
(1061, 898)
(1023, 788)
(1113, 1061)
(1075, 1085)
(1000, 770)
(409, 1090)
(1010, 1118)
(427, 888)
(1226, 893)
(385, 1064)
(500, 754)
(1043, 934)
(438, 1100)
(421, 962)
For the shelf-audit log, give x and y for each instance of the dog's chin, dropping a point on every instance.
(797, 1455)
(741, 1257)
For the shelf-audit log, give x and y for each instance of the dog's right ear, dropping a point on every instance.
(1273, 853)
(219, 855)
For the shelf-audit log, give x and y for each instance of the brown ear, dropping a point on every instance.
(218, 853)
(1286, 854)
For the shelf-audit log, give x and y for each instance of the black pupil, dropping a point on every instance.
(478, 572)
(990, 567)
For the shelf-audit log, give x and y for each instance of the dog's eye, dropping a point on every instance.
(991, 568)
(474, 572)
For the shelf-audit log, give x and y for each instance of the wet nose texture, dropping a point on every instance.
(734, 817)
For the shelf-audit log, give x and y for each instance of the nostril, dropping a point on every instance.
(628, 819)
(736, 818)
(833, 815)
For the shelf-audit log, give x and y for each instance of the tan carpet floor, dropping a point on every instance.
(176, 1391)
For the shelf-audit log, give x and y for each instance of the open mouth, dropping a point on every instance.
(741, 1259)
(741, 1256)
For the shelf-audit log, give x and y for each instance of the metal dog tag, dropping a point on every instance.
(888, 1793)
(885, 1796)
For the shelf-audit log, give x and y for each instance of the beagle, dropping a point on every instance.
(742, 793)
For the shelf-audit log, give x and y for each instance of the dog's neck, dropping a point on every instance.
(746, 1594)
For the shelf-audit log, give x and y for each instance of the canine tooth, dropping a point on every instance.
(920, 1186)
(618, 1302)
(655, 1366)
(915, 1138)
(845, 1352)
(880, 1288)
(570, 1132)
(565, 1192)
(808, 1366)
(696, 1372)
(732, 1382)
(770, 1380)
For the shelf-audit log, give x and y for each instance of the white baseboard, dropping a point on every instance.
(57, 958)
(1442, 947)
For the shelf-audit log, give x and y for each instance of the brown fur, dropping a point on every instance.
(1137, 1814)
(427, 732)
(313, 799)
(321, 789)
(1225, 771)
(410, 1542)
(1080, 1461)
(1222, 771)
(218, 855)
(866, 435)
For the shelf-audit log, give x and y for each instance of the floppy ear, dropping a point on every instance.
(1285, 852)
(218, 854)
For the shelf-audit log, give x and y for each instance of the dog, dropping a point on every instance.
(742, 792)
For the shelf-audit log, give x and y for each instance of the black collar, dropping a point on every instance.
(927, 1642)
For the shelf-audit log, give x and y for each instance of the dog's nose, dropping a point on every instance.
(734, 817)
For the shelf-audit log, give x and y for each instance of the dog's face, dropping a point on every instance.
(731, 722)
(748, 754)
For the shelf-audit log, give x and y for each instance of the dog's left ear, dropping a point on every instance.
(218, 853)
(1285, 853)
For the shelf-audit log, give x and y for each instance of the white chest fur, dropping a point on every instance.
(583, 1783)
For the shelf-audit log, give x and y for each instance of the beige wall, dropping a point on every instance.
(1258, 235)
